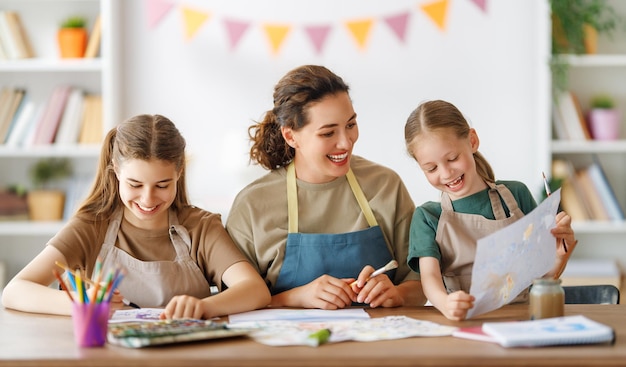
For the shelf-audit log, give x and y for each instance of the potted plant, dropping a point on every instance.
(575, 27)
(72, 37)
(46, 200)
(604, 118)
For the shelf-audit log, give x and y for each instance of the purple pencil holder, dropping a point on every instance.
(91, 321)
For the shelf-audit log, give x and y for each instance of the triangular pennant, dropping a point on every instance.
(437, 11)
(156, 10)
(318, 35)
(193, 20)
(360, 30)
(235, 30)
(398, 24)
(276, 34)
(482, 4)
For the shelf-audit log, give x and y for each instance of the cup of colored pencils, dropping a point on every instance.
(90, 308)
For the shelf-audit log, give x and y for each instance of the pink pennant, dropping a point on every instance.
(398, 24)
(235, 30)
(156, 10)
(482, 4)
(318, 35)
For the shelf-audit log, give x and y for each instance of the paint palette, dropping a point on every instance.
(151, 333)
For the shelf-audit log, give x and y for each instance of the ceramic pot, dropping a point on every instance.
(72, 42)
(604, 124)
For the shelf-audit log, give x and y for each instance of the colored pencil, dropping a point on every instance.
(62, 284)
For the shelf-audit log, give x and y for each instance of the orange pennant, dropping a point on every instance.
(193, 20)
(360, 30)
(276, 34)
(438, 12)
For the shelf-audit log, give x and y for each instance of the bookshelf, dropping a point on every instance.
(589, 75)
(39, 76)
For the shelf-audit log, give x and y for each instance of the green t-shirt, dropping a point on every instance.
(426, 218)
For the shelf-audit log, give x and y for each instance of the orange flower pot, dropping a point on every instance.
(72, 42)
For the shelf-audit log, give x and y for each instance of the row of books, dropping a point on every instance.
(69, 116)
(586, 193)
(568, 118)
(14, 41)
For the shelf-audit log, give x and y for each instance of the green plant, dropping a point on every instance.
(603, 101)
(74, 22)
(569, 18)
(46, 171)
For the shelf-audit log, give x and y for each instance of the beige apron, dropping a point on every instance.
(154, 283)
(458, 233)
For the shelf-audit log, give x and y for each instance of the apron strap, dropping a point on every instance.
(360, 197)
(292, 199)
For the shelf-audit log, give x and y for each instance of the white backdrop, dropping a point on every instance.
(492, 65)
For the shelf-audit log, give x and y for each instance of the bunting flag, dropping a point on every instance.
(156, 10)
(398, 24)
(482, 4)
(318, 35)
(235, 30)
(360, 30)
(193, 20)
(437, 11)
(276, 34)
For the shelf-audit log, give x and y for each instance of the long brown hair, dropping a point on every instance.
(142, 137)
(292, 95)
(438, 115)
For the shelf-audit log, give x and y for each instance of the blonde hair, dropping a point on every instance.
(142, 137)
(438, 115)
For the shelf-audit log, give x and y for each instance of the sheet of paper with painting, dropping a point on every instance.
(508, 260)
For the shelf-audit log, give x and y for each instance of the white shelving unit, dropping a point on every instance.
(20, 241)
(604, 72)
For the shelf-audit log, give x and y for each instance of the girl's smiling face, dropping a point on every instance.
(448, 162)
(324, 145)
(147, 189)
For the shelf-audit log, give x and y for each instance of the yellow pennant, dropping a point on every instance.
(437, 11)
(276, 33)
(360, 30)
(193, 20)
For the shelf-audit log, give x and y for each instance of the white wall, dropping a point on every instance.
(492, 65)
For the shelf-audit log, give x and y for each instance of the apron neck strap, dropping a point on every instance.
(292, 199)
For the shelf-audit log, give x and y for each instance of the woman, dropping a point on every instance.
(322, 217)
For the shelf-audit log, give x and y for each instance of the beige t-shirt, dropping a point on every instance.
(212, 249)
(258, 220)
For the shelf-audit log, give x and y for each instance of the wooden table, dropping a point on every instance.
(41, 340)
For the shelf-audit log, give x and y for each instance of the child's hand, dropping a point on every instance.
(184, 307)
(566, 241)
(457, 304)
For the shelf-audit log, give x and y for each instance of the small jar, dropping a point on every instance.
(547, 299)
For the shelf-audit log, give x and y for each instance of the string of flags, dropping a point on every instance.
(193, 19)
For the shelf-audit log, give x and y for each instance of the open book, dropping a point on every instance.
(552, 331)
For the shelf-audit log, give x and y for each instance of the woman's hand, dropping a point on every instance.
(376, 291)
(325, 292)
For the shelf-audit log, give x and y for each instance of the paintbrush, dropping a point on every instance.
(393, 264)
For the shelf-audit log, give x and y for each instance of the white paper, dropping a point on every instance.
(508, 260)
(272, 314)
(136, 314)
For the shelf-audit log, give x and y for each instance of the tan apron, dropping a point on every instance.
(154, 283)
(458, 233)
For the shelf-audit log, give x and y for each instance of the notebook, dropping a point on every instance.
(151, 333)
(564, 330)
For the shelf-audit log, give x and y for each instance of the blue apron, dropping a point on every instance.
(311, 255)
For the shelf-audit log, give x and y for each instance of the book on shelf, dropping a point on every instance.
(93, 45)
(69, 127)
(22, 122)
(91, 128)
(15, 41)
(8, 117)
(48, 124)
(591, 195)
(569, 121)
(605, 190)
(566, 330)
(571, 192)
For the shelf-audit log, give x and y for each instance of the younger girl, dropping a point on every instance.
(473, 204)
(137, 215)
